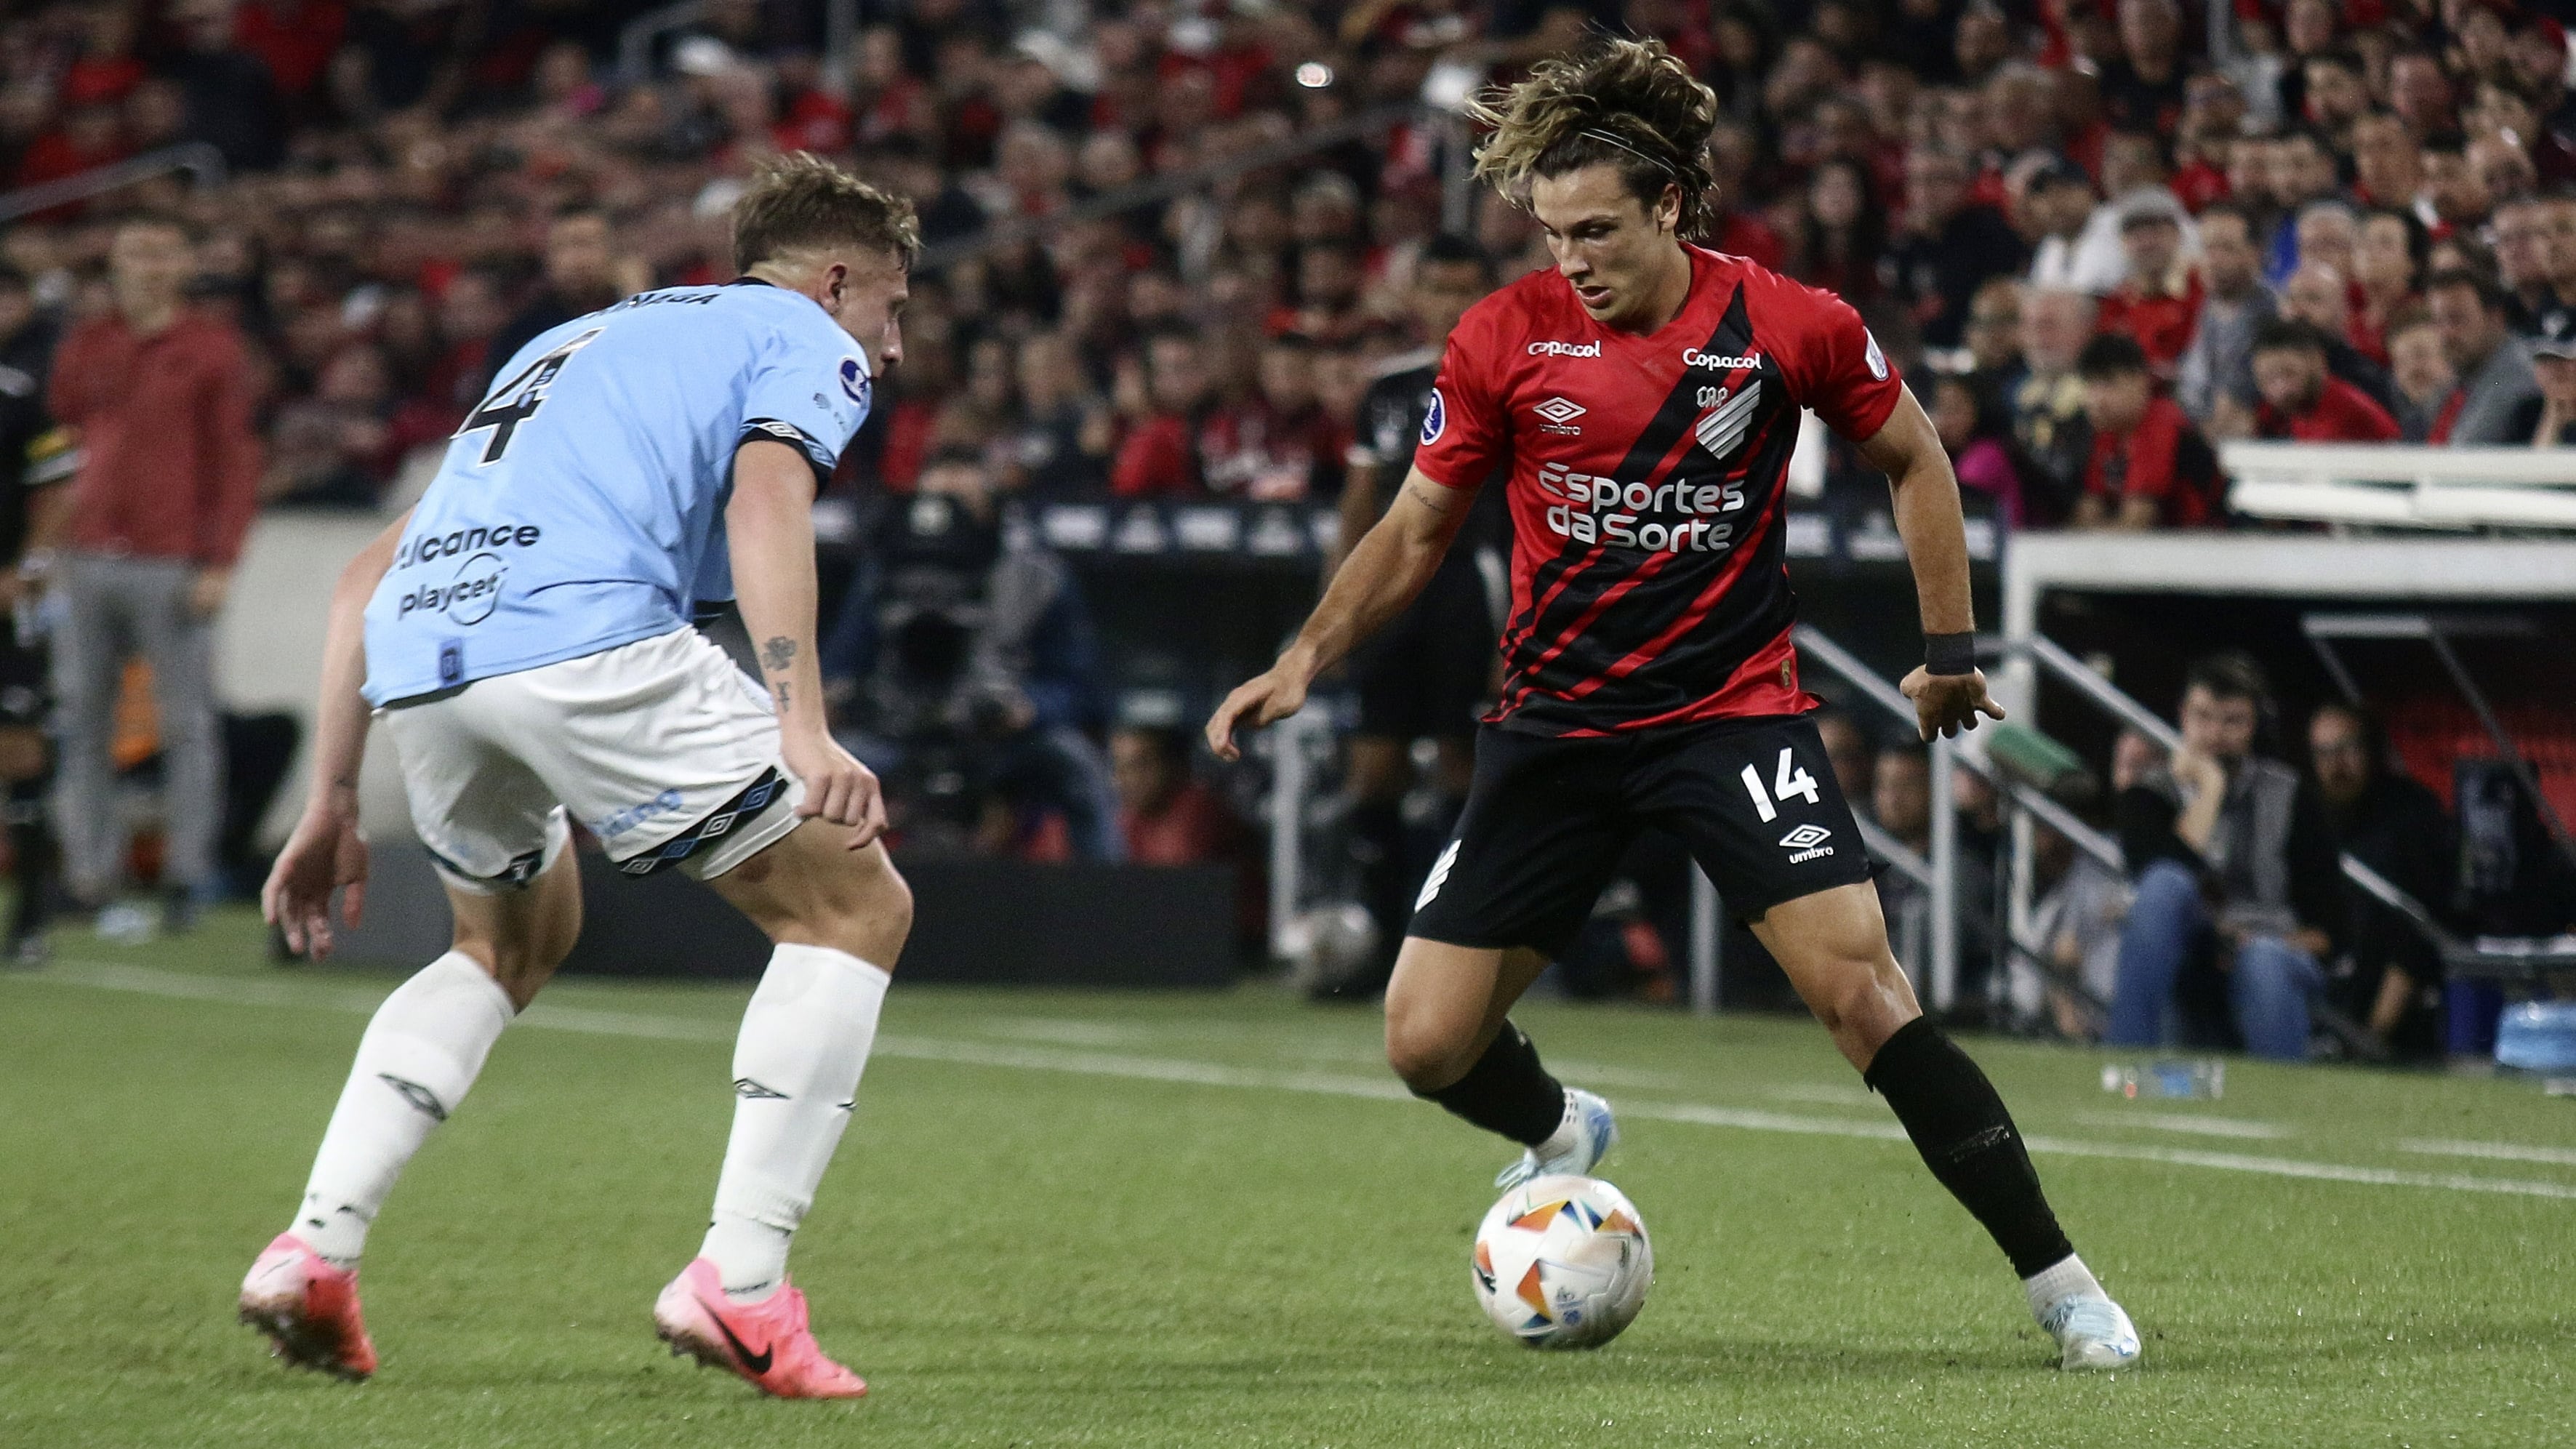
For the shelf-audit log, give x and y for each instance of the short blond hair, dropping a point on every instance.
(800, 200)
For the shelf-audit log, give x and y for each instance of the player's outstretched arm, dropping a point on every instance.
(326, 853)
(769, 527)
(1383, 573)
(1908, 450)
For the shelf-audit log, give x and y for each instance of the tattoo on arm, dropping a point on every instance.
(778, 655)
(779, 691)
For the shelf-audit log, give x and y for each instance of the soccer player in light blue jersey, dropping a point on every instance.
(525, 634)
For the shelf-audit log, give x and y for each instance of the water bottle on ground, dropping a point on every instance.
(2205, 1078)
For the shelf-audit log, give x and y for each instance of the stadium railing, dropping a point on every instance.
(2404, 485)
(203, 163)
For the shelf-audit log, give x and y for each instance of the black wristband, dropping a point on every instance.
(1949, 653)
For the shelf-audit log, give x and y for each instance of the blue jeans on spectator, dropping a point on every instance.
(2268, 987)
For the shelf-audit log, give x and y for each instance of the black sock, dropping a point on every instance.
(1968, 1140)
(1386, 881)
(1507, 1091)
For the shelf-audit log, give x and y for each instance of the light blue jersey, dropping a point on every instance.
(581, 507)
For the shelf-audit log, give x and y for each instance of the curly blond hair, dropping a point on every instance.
(1625, 103)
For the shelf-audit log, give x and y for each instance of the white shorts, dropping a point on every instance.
(663, 748)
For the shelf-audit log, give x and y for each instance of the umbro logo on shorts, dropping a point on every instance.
(1806, 843)
(759, 796)
(1439, 875)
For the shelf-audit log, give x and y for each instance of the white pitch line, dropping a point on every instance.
(2197, 1126)
(2494, 1151)
(150, 981)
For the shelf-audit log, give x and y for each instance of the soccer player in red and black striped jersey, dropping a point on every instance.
(1641, 400)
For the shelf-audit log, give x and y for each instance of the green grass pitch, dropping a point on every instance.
(1067, 1219)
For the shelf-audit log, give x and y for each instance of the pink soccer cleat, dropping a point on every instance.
(308, 1309)
(765, 1342)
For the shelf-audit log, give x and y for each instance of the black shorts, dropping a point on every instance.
(1426, 674)
(1548, 818)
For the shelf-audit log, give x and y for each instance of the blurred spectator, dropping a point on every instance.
(2056, 202)
(1977, 433)
(2548, 420)
(2300, 400)
(160, 397)
(2048, 403)
(2320, 297)
(2150, 466)
(2386, 257)
(1064, 432)
(1994, 335)
(2521, 232)
(2134, 181)
(2388, 977)
(1279, 444)
(1901, 803)
(2238, 893)
(1949, 247)
(1162, 403)
(1840, 234)
(2495, 373)
(2159, 302)
(2428, 394)
(580, 276)
(2218, 364)
(1166, 814)
(2077, 915)
(34, 456)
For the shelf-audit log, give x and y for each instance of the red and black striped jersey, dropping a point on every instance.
(1645, 473)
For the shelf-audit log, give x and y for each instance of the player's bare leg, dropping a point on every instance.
(1833, 946)
(421, 1052)
(1450, 1037)
(839, 918)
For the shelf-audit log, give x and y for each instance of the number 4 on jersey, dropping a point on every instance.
(1789, 782)
(516, 401)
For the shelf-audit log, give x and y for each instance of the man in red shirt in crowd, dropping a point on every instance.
(1159, 454)
(2301, 401)
(160, 396)
(2150, 467)
(2159, 304)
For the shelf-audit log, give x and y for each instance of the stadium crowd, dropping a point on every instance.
(2325, 221)
(2102, 236)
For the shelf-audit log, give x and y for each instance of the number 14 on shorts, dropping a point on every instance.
(1789, 782)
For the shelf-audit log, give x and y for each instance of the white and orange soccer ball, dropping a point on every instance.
(1563, 1262)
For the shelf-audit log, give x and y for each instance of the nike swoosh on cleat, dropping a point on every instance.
(758, 1363)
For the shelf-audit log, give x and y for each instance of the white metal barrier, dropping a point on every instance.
(2404, 485)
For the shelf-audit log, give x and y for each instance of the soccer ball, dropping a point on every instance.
(1563, 1262)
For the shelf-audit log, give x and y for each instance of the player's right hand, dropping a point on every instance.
(837, 787)
(1254, 704)
(326, 854)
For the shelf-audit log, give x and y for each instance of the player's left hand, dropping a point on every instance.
(325, 855)
(1948, 704)
(837, 787)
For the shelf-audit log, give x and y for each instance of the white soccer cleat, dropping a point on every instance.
(1586, 1136)
(2093, 1333)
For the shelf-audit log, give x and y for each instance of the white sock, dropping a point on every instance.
(421, 1051)
(2068, 1279)
(805, 1039)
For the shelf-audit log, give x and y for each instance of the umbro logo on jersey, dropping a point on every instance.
(1558, 416)
(1565, 349)
(1806, 843)
(1693, 357)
